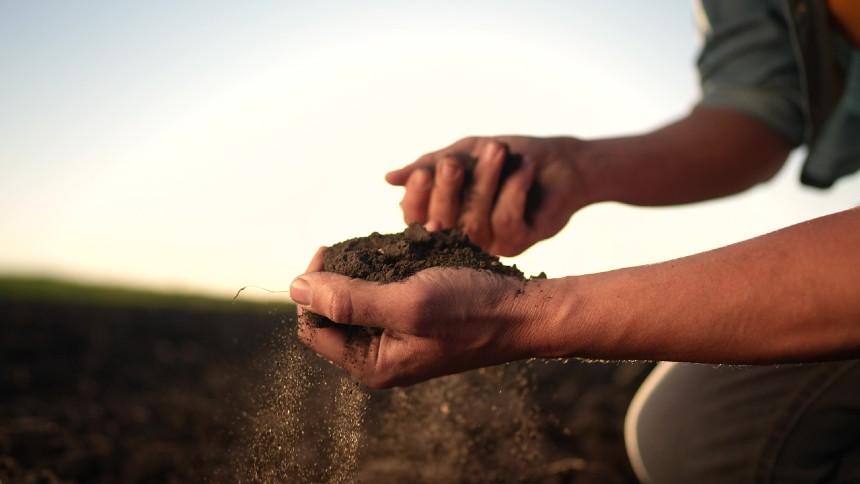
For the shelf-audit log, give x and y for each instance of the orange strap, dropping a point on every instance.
(847, 15)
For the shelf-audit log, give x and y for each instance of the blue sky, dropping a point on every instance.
(205, 146)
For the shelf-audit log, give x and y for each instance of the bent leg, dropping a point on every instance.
(756, 424)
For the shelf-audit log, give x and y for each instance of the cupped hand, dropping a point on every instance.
(437, 322)
(495, 216)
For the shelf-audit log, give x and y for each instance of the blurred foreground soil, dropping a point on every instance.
(94, 392)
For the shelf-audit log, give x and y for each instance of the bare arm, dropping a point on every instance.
(789, 296)
(708, 154)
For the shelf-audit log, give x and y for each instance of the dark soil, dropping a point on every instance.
(394, 257)
(93, 393)
(388, 258)
(105, 393)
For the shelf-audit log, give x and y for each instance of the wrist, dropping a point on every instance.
(556, 319)
(580, 154)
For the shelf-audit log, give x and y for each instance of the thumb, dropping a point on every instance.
(346, 300)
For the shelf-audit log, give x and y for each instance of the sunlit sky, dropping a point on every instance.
(205, 146)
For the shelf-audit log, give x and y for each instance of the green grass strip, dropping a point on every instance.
(48, 290)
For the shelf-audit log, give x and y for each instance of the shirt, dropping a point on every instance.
(783, 62)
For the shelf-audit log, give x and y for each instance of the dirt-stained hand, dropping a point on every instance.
(440, 321)
(495, 215)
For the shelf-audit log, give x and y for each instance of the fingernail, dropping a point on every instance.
(449, 169)
(300, 292)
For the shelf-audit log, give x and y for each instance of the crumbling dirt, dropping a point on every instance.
(387, 258)
(394, 257)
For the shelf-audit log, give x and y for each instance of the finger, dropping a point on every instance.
(510, 228)
(317, 264)
(417, 196)
(433, 226)
(463, 147)
(380, 362)
(400, 176)
(444, 204)
(343, 347)
(480, 196)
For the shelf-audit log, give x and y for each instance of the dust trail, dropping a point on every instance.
(346, 430)
(315, 424)
(280, 425)
(481, 426)
(307, 423)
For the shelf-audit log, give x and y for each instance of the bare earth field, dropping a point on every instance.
(117, 386)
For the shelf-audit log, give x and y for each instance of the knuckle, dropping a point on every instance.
(421, 304)
(506, 222)
(496, 144)
(475, 228)
(340, 308)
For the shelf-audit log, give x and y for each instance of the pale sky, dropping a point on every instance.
(205, 146)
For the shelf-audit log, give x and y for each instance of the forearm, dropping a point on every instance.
(789, 296)
(708, 154)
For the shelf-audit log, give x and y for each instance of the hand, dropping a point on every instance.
(438, 322)
(494, 216)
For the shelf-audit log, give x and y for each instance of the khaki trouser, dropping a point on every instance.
(757, 424)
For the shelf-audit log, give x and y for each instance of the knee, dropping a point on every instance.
(663, 432)
(638, 418)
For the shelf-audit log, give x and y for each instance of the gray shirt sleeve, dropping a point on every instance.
(748, 64)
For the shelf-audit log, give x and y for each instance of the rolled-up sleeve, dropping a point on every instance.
(747, 63)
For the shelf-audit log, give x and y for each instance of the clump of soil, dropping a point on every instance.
(388, 258)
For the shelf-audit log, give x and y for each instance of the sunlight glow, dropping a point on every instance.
(211, 150)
